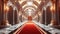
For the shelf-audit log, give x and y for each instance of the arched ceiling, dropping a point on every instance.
(30, 6)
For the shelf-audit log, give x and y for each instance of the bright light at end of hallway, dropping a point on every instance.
(29, 11)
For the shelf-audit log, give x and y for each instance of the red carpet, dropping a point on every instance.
(29, 28)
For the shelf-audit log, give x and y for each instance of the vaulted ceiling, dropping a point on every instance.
(29, 7)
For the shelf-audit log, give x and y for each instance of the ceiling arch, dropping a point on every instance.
(36, 6)
(30, 8)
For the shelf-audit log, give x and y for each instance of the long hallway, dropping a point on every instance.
(29, 16)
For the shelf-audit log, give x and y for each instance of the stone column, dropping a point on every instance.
(53, 11)
(5, 10)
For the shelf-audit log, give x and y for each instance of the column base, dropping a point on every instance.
(53, 22)
(5, 23)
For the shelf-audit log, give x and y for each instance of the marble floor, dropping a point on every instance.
(45, 27)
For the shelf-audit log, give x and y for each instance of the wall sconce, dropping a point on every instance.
(52, 8)
(6, 8)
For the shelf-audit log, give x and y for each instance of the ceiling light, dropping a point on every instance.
(29, 3)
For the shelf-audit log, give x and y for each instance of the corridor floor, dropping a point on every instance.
(29, 28)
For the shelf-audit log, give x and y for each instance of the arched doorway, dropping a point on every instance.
(29, 18)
